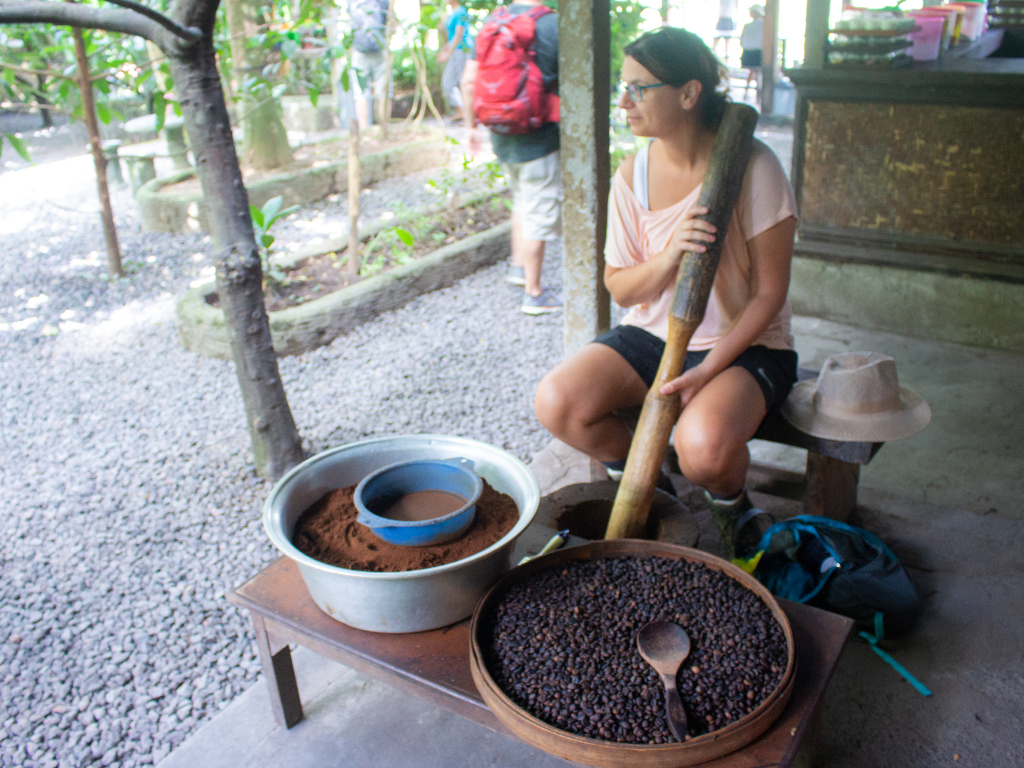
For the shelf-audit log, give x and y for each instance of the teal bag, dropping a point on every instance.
(840, 568)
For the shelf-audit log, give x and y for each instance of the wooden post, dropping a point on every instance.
(769, 56)
(279, 674)
(353, 199)
(89, 112)
(831, 487)
(696, 276)
(584, 34)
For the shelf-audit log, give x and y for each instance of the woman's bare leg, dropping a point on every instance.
(712, 432)
(575, 401)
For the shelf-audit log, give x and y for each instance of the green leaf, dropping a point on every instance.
(64, 89)
(159, 108)
(278, 90)
(8, 75)
(103, 113)
(404, 236)
(257, 216)
(344, 81)
(267, 240)
(20, 147)
(271, 207)
(177, 108)
(314, 97)
(102, 86)
(114, 113)
(281, 214)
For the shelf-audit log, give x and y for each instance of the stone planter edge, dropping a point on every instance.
(183, 213)
(300, 329)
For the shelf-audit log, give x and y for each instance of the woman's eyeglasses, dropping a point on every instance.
(636, 91)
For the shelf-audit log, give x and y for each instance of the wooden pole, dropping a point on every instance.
(696, 276)
(353, 199)
(89, 113)
(769, 56)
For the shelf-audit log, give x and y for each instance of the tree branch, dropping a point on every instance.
(27, 71)
(19, 107)
(185, 33)
(166, 34)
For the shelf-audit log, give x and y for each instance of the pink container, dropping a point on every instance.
(948, 14)
(928, 39)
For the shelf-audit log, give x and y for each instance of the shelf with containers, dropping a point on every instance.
(907, 174)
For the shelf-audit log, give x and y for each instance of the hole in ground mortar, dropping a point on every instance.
(589, 519)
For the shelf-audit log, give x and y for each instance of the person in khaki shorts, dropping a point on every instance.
(532, 165)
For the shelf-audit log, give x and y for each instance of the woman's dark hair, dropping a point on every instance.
(676, 57)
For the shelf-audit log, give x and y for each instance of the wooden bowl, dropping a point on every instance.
(614, 754)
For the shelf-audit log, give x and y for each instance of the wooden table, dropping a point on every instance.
(435, 665)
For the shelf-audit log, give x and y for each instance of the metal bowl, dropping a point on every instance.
(410, 601)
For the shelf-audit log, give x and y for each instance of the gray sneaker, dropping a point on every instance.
(515, 275)
(548, 301)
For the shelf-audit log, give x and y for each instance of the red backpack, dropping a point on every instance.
(509, 95)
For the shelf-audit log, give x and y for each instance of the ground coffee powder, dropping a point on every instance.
(328, 532)
(562, 645)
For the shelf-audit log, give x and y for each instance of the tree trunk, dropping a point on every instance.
(47, 118)
(264, 139)
(275, 440)
(89, 112)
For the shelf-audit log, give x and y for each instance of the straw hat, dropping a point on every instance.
(857, 397)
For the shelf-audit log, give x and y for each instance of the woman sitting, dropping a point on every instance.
(740, 363)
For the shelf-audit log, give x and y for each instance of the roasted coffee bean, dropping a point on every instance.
(562, 645)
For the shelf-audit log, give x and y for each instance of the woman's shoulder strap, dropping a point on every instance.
(640, 166)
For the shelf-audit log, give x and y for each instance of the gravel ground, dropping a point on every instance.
(130, 502)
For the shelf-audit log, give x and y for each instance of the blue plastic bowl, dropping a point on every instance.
(379, 490)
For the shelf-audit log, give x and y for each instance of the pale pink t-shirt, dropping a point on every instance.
(636, 234)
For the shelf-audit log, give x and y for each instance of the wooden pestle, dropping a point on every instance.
(720, 190)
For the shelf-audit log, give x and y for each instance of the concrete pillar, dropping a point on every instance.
(584, 33)
(816, 33)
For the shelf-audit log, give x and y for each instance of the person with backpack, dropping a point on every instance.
(510, 85)
(369, 55)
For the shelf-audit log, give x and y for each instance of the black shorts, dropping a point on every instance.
(774, 370)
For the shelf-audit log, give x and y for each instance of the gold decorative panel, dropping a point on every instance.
(955, 172)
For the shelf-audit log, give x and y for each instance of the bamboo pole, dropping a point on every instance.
(353, 199)
(89, 113)
(695, 278)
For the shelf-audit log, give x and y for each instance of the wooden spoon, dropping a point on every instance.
(665, 646)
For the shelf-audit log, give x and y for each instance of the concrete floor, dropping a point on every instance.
(947, 500)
